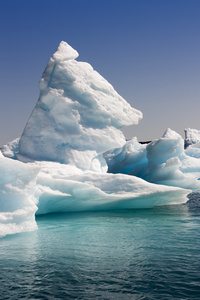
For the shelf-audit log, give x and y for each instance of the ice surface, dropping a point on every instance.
(78, 114)
(17, 201)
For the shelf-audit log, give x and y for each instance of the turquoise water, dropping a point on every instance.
(138, 254)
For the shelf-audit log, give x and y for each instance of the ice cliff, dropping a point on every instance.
(72, 155)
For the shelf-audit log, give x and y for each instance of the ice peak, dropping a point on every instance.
(78, 114)
(170, 134)
(65, 52)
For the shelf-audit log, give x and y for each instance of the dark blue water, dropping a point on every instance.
(138, 254)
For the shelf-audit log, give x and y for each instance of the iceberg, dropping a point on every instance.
(192, 136)
(73, 156)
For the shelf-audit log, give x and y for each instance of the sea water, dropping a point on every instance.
(129, 254)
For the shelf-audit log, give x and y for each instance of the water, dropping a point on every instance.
(138, 254)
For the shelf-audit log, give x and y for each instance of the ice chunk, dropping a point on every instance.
(191, 163)
(64, 52)
(78, 114)
(193, 150)
(165, 159)
(130, 159)
(192, 136)
(10, 149)
(17, 201)
(162, 161)
(192, 142)
(170, 145)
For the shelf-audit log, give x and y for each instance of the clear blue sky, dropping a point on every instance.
(149, 50)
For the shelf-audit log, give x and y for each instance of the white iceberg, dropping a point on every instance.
(64, 152)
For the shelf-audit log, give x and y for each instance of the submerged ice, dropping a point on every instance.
(72, 155)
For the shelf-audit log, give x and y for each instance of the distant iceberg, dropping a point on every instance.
(192, 142)
(72, 155)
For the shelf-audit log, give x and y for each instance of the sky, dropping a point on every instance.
(149, 50)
